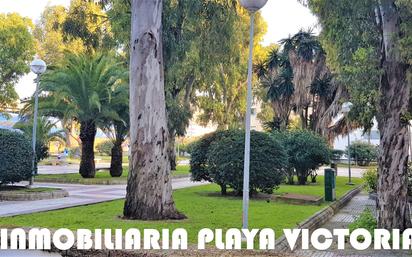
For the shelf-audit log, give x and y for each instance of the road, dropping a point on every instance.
(343, 172)
(78, 195)
(74, 168)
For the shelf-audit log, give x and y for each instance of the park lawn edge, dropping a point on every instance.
(268, 215)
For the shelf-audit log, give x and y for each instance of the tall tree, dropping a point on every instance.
(276, 77)
(223, 98)
(81, 89)
(51, 40)
(86, 21)
(197, 58)
(379, 33)
(81, 28)
(16, 51)
(149, 187)
(297, 79)
(118, 129)
(393, 205)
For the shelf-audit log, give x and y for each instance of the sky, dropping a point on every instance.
(284, 18)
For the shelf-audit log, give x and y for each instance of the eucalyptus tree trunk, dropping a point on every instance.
(149, 188)
(393, 208)
(87, 136)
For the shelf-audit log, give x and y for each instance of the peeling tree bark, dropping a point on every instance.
(149, 190)
(393, 207)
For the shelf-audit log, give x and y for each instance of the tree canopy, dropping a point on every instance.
(369, 45)
(83, 27)
(16, 52)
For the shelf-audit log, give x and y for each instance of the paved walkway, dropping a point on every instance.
(342, 220)
(26, 253)
(78, 195)
(66, 169)
(74, 168)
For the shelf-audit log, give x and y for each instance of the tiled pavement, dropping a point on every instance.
(341, 220)
(66, 169)
(78, 195)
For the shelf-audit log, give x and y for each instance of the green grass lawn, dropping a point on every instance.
(101, 176)
(202, 205)
(318, 188)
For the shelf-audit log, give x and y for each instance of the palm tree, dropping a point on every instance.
(280, 89)
(307, 60)
(118, 129)
(81, 89)
(46, 133)
(276, 77)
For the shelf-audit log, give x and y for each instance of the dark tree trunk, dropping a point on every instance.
(223, 189)
(392, 206)
(302, 178)
(116, 168)
(149, 186)
(87, 136)
(172, 151)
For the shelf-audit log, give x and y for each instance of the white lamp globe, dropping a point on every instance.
(346, 107)
(253, 5)
(38, 66)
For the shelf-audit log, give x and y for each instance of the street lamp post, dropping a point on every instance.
(346, 107)
(252, 6)
(38, 67)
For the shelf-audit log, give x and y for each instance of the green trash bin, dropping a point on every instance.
(330, 185)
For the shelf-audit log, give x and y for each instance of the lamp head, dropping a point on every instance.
(38, 66)
(253, 5)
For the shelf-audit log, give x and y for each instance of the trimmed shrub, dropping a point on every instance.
(15, 157)
(105, 148)
(306, 150)
(198, 155)
(363, 153)
(371, 180)
(267, 162)
(221, 156)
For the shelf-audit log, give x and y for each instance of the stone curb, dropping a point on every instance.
(14, 196)
(92, 182)
(319, 218)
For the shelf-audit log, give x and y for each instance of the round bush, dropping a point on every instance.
(306, 150)
(267, 162)
(15, 157)
(198, 155)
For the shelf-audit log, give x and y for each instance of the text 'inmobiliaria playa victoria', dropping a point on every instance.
(231, 239)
